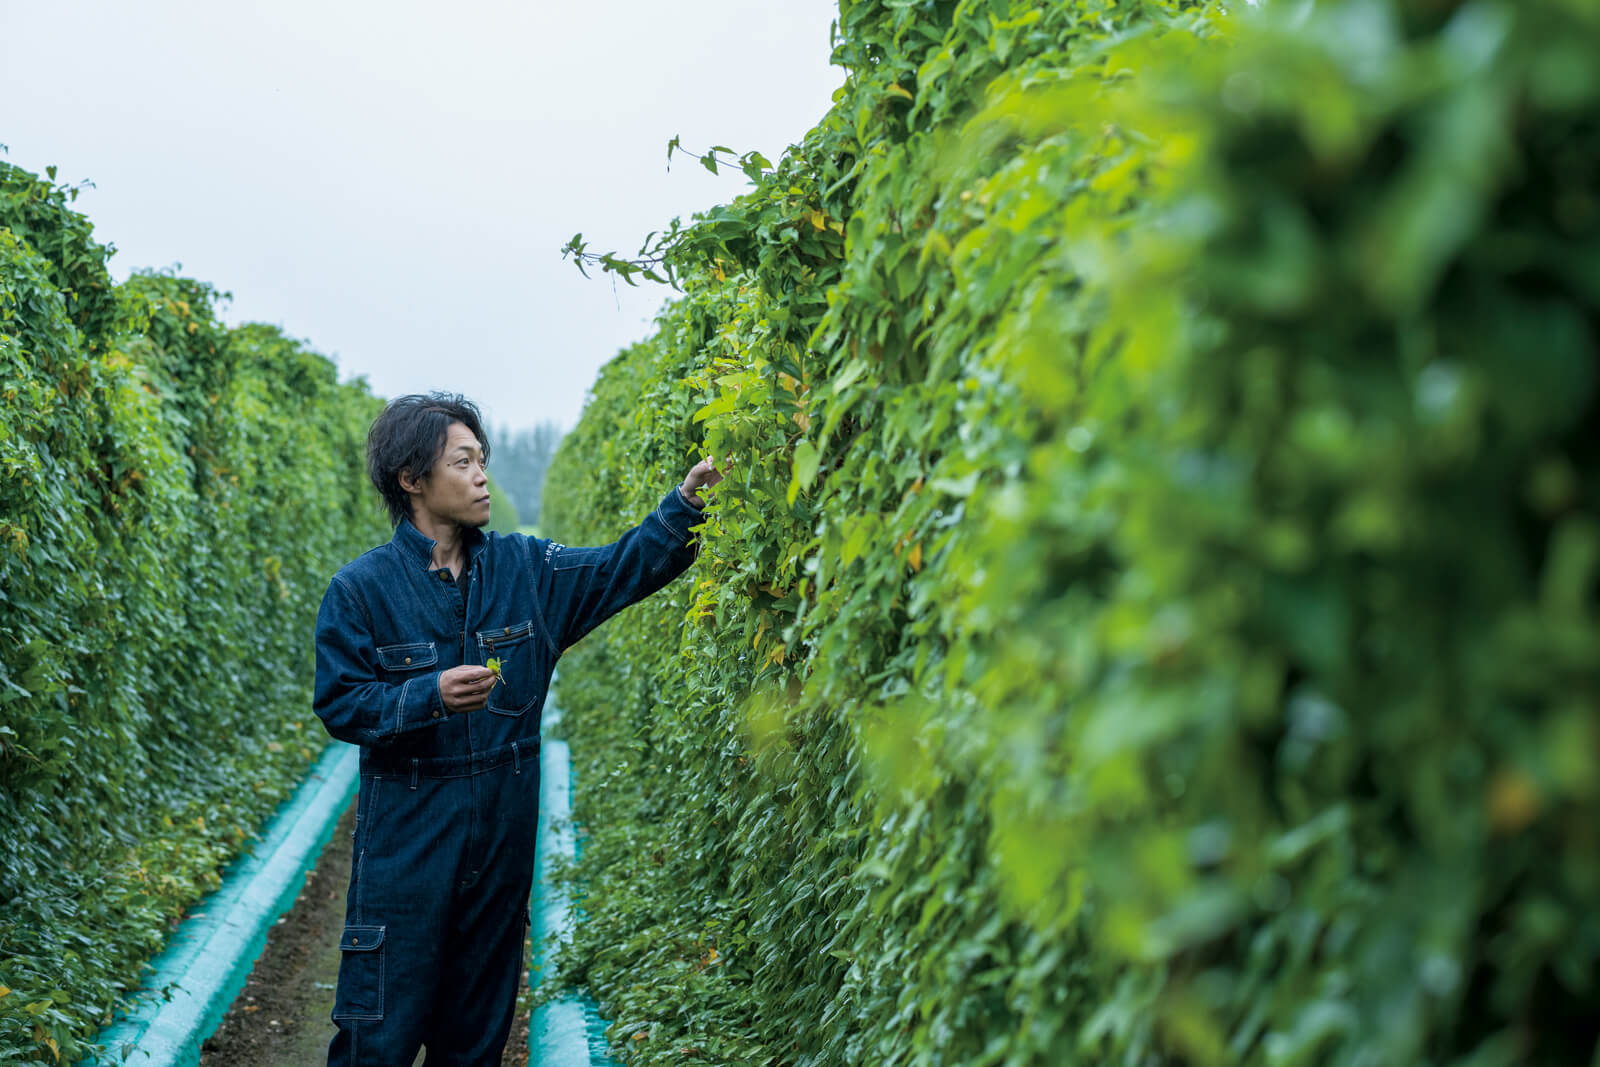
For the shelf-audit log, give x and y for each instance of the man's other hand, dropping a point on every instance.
(701, 475)
(465, 688)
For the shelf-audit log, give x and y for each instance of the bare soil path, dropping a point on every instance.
(282, 1017)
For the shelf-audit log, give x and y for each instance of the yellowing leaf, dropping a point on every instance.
(916, 556)
(1513, 801)
(895, 89)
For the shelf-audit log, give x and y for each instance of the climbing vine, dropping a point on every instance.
(1152, 612)
(174, 494)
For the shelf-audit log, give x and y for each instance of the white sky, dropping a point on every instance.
(392, 181)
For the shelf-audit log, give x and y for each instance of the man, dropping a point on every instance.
(444, 842)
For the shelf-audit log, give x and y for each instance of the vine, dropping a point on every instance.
(157, 581)
(1153, 615)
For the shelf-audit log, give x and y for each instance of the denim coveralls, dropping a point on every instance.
(444, 841)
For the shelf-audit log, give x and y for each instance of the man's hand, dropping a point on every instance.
(465, 688)
(700, 475)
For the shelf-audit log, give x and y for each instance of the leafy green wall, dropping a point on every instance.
(1152, 615)
(158, 584)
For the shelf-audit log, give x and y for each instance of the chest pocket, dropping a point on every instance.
(516, 648)
(399, 662)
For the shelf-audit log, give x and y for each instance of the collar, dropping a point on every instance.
(418, 547)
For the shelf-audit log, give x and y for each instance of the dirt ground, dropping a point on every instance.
(282, 1017)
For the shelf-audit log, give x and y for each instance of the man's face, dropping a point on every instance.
(457, 489)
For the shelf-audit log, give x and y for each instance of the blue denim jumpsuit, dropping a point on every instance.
(444, 842)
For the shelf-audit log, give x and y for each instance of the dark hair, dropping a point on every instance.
(411, 433)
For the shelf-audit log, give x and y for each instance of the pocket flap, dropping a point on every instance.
(361, 938)
(505, 635)
(408, 657)
(569, 558)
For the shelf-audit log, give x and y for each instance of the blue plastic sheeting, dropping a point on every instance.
(565, 1031)
(206, 963)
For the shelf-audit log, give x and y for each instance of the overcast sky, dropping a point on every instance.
(392, 181)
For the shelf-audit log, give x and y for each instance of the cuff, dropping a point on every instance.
(419, 704)
(677, 514)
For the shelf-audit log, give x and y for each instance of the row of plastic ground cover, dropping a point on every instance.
(206, 963)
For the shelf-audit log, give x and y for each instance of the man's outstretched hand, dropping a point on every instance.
(700, 475)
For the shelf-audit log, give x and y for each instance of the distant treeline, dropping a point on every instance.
(520, 459)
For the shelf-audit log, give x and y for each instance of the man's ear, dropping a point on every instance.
(408, 483)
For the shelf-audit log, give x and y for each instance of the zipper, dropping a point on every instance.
(465, 600)
(505, 637)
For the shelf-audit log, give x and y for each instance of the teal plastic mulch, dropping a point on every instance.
(566, 1030)
(205, 964)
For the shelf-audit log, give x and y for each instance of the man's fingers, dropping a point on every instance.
(468, 687)
(708, 471)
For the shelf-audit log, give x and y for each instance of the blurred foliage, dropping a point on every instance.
(503, 511)
(158, 581)
(1152, 614)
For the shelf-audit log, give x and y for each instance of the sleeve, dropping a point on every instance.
(348, 697)
(586, 586)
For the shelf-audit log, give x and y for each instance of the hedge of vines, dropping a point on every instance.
(1153, 613)
(173, 497)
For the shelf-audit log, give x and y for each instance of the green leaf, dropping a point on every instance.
(806, 462)
(850, 375)
(719, 406)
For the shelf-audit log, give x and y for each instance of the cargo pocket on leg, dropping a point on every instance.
(360, 992)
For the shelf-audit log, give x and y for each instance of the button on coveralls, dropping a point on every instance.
(444, 842)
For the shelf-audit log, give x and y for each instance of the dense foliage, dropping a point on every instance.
(158, 581)
(1153, 614)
